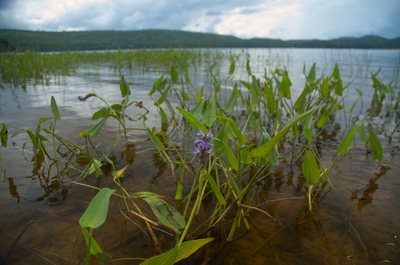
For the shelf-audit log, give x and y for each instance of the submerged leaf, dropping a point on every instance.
(187, 248)
(166, 214)
(94, 247)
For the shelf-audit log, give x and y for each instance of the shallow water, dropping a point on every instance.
(40, 210)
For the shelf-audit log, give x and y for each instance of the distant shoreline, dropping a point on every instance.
(50, 41)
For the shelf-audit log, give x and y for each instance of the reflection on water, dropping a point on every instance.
(358, 217)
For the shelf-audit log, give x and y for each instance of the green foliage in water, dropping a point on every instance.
(227, 147)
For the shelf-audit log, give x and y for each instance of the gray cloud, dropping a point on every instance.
(287, 19)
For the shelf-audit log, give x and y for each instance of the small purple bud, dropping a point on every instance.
(14, 143)
(81, 98)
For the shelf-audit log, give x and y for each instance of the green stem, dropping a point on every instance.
(196, 204)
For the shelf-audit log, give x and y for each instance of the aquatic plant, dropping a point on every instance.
(229, 142)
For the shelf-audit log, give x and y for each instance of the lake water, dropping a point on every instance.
(360, 217)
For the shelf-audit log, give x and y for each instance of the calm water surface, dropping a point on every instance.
(39, 212)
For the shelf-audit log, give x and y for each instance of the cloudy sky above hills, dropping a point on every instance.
(284, 19)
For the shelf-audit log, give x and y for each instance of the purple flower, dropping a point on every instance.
(203, 147)
(81, 98)
(14, 143)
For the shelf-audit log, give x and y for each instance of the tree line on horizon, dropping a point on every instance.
(47, 41)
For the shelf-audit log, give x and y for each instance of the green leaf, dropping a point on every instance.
(174, 74)
(200, 95)
(232, 67)
(192, 120)
(96, 213)
(363, 134)
(215, 189)
(247, 85)
(166, 214)
(101, 113)
(164, 117)
(182, 67)
(325, 87)
(272, 104)
(232, 100)
(248, 67)
(117, 107)
(43, 119)
(95, 129)
(347, 142)
(159, 145)
(254, 101)
(310, 168)
(210, 113)
(265, 149)
(197, 111)
(234, 129)
(324, 117)
(336, 72)
(375, 145)
(162, 98)
(284, 88)
(94, 247)
(158, 85)
(299, 106)
(4, 135)
(124, 88)
(311, 75)
(230, 156)
(187, 248)
(143, 194)
(339, 88)
(54, 109)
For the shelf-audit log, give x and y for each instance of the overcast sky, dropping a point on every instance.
(284, 19)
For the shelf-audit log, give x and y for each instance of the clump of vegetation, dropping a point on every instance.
(234, 156)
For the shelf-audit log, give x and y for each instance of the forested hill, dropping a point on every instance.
(136, 39)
